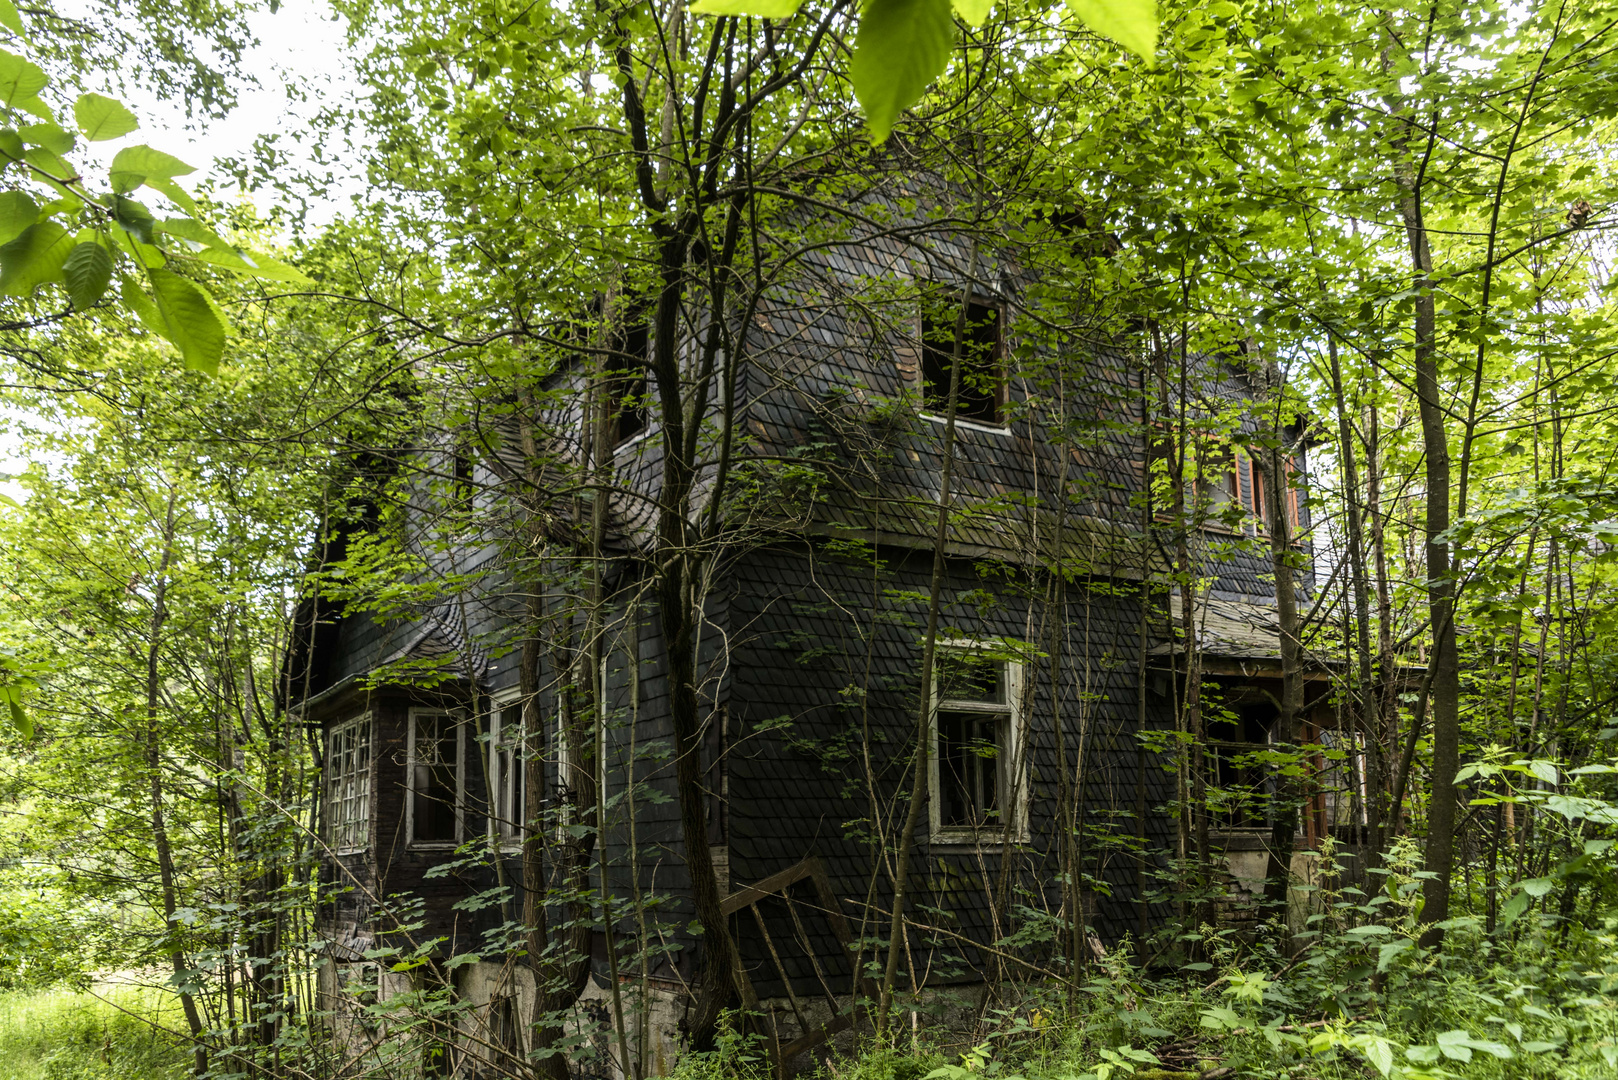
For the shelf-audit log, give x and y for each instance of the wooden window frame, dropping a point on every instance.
(339, 830)
(506, 831)
(459, 767)
(1258, 507)
(1011, 779)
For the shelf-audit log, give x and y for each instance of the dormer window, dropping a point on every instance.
(628, 405)
(982, 393)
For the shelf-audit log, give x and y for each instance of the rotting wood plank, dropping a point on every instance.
(776, 885)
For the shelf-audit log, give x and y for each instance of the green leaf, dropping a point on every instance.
(1537, 886)
(11, 144)
(1543, 770)
(1369, 930)
(903, 45)
(972, 12)
(17, 212)
(177, 194)
(196, 232)
(137, 165)
(11, 19)
(52, 137)
(19, 80)
(134, 218)
(1455, 1044)
(764, 9)
(253, 264)
(19, 719)
(1387, 954)
(1131, 23)
(52, 170)
(1514, 908)
(101, 118)
(37, 108)
(87, 272)
(1380, 1054)
(188, 320)
(34, 258)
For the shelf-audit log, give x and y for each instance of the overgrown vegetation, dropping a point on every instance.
(1301, 306)
(106, 1034)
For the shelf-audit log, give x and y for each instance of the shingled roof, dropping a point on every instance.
(1241, 630)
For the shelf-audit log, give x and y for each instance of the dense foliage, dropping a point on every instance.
(1394, 220)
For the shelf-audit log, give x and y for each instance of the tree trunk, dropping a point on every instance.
(1445, 663)
(1291, 789)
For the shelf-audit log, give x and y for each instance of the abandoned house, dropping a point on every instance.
(1046, 688)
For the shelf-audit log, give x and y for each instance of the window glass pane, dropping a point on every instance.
(964, 677)
(508, 800)
(433, 785)
(348, 767)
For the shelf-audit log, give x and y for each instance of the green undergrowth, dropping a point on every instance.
(1356, 998)
(61, 1034)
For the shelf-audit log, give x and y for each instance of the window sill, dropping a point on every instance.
(633, 441)
(984, 840)
(350, 850)
(433, 845)
(973, 425)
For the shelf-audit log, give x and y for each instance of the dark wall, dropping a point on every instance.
(823, 653)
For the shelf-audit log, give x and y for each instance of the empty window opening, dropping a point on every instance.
(1237, 743)
(628, 403)
(434, 776)
(348, 785)
(982, 388)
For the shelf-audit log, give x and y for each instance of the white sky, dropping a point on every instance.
(300, 43)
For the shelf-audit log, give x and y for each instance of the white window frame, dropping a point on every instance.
(497, 778)
(459, 720)
(1014, 786)
(362, 800)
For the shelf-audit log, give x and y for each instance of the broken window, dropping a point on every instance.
(507, 804)
(348, 785)
(982, 389)
(975, 726)
(433, 775)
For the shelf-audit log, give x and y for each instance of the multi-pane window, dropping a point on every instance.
(434, 777)
(982, 385)
(976, 746)
(348, 785)
(508, 809)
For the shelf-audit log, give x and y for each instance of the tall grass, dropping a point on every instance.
(67, 1035)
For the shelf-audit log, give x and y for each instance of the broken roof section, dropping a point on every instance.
(1245, 637)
